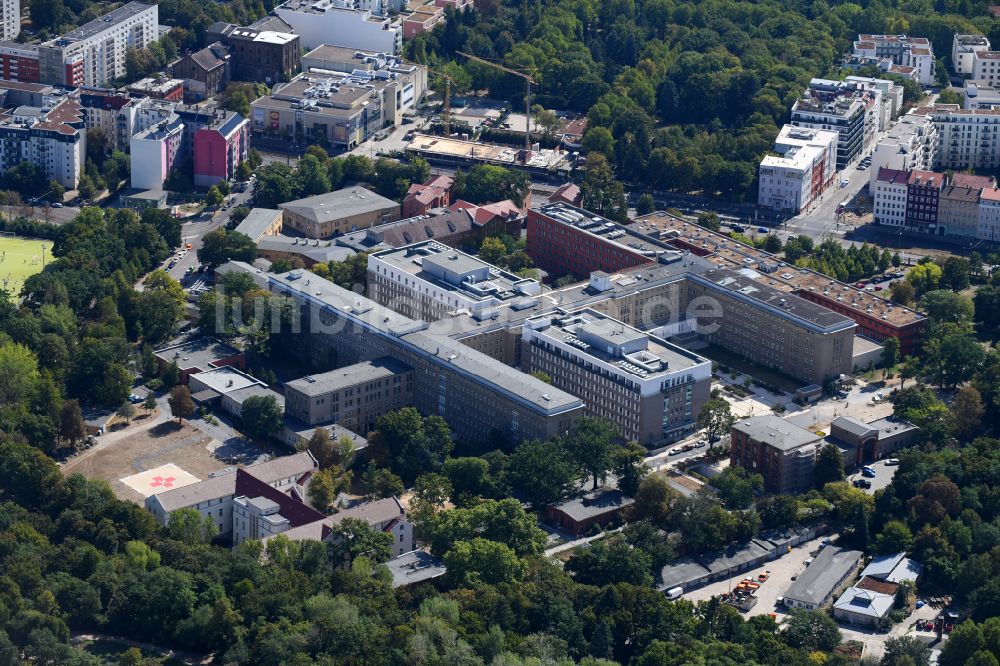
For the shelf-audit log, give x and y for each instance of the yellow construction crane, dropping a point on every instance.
(528, 81)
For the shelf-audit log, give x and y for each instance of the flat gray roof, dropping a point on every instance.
(351, 375)
(595, 504)
(820, 579)
(239, 396)
(340, 204)
(853, 426)
(775, 431)
(200, 353)
(105, 21)
(257, 222)
(415, 567)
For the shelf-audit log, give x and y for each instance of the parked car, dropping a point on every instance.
(762, 230)
(862, 483)
(891, 462)
(56, 204)
(134, 399)
(869, 472)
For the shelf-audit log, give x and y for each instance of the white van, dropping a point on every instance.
(675, 593)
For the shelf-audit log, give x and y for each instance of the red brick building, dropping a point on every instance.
(424, 197)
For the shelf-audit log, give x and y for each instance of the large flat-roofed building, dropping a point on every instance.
(823, 578)
(780, 451)
(261, 222)
(915, 52)
(651, 389)
(155, 150)
(10, 19)
(199, 355)
(354, 396)
(477, 395)
(94, 53)
(19, 62)
(453, 152)
(911, 143)
(429, 281)
(259, 55)
(52, 138)
(963, 50)
(335, 213)
(331, 22)
(986, 67)
(853, 110)
(966, 138)
(804, 167)
(980, 95)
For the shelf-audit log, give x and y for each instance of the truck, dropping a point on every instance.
(675, 593)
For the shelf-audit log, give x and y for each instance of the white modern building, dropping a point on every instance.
(963, 50)
(319, 22)
(892, 97)
(10, 19)
(915, 52)
(986, 67)
(154, 152)
(863, 607)
(965, 137)
(980, 95)
(989, 214)
(910, 145)
(852, 110)
(889, 197)
(804, 167)
(54, 139)
(94, 53)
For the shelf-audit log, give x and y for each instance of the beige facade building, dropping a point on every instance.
(651, 389)
(958, 211)
(353, 396)
(780, 451)
(335, 213)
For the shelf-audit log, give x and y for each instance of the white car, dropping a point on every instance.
(891, 462)
(675, 451)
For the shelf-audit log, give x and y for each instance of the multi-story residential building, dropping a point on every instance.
(958, 211)
(421, 198)
(111, 111)
(780, 451)
(354, 396)
(853, 110)
(19, 62)
(989, 214)
(915, 52)
(892, 97)
(963, 50)
(478, 396)
(259, 55)
(651, 389)
(329, 22)
(219, 148)
(923, 190)
(10, 19)
(430, 281)
(154, 152)
(54, 139)
(171, 90)
(205, 72)
(94, 53)
(986, 67)
(335, 213)
(16, 93)
(966, 138)
(910, 144)
(980, 95)
(806, 165)
(421, 20)
(889, 197)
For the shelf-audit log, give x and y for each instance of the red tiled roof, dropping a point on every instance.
(971, 180)
(990, 194)
(292, 509)
(894, 176)
(926, 178)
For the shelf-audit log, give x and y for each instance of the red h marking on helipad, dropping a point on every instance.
(161, 482)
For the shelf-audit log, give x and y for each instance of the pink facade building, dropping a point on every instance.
(219, 148)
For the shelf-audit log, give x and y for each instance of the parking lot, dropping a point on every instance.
(781, 572)
(883, 476)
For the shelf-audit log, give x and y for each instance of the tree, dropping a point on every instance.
(71, 425)
(18, 373)
(381, 483)
(654, 500)
(924, 277)
(171, 374)
(901, 650)
(902, 292)
(542, 472)
(181, 404)
(829, 466)
(591, 443)
(964, 641)
(716, 417)
(191, 527)
(430, 494)
(214, 197)
(943, 306)
(955, 274)
(353, 538)
(326, 485)
(602, 193)
(410, 443)
(645, 204)
(486, 183)
(890, 352)
(504, 521)
(149, 404)
(811, 630)
(630, 467)
(126, 411)
(611, 561)
(220, 246)
(469, 478)
(895, 537)
(329, 452)
(968, 410)
(737, 487)
(710, 221)
(262, 416)
(480, 561)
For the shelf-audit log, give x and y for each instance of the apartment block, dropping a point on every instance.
(171, 90)
(19, 62)
(651, 389)
(989, 215)
(220, 147)
(205, 72)
(966, 138)
(986, 67)
(915, 52)
(354, 396)
(804, 167)
(889, 197)
(780, 451)
(980, 95)
(910, 144)
(892, 96)
(334, 213)
(94, 53)
(958, 211)
(430, 281)
(923, 191)
(963, 50)
(53, 138)
(10, 19)
(154, 153)
(111, 111)
(421, 20)
(259, 55)
(333, 22)
(853, 110)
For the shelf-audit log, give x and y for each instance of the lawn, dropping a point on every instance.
(20, 258)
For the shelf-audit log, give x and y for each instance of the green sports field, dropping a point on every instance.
(20, 258)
